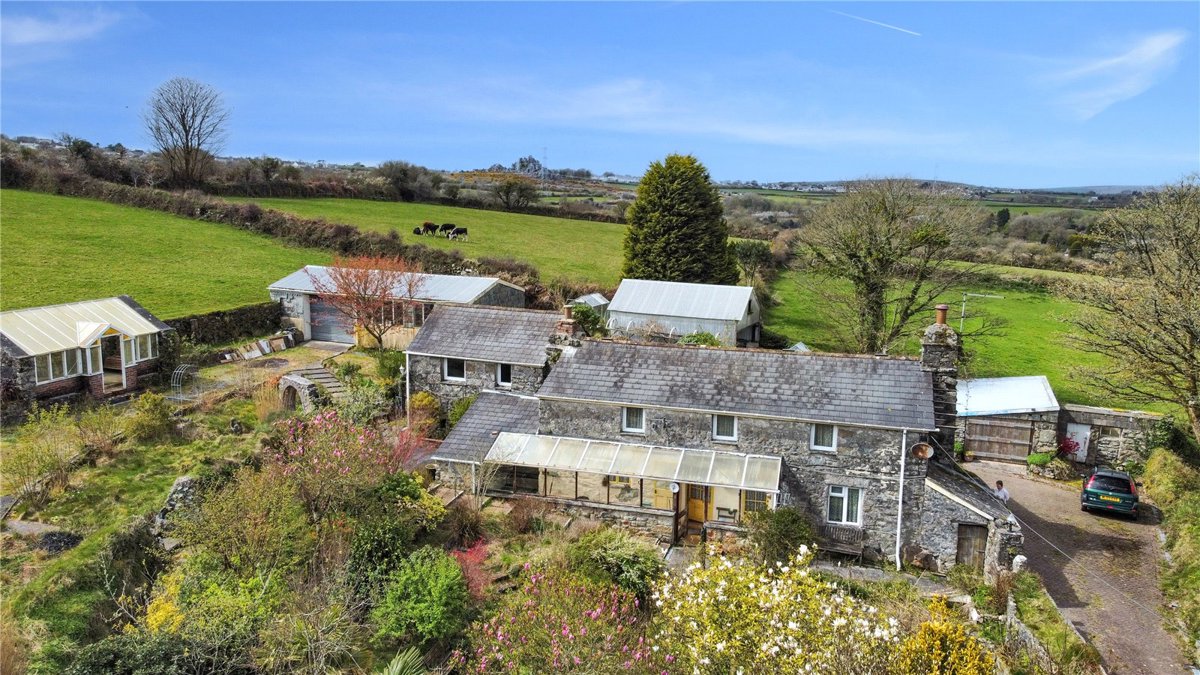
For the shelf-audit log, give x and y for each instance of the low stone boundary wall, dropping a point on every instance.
(227, 325)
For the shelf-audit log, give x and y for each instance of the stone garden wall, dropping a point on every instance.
(228, 325)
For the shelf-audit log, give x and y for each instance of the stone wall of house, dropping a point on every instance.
(228, 325)
(1119, 437)
(940, 353)
(293, 308)
(16, 387)
(938, 539)
(425, 374)
(502, 295)
(865, 458)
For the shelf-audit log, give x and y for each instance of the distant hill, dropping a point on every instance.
(1099, 189)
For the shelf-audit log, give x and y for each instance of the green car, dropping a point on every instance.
(1108, 490)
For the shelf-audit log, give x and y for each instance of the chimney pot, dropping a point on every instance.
(568, 312)
(941, 313)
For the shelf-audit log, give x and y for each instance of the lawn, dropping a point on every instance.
(1034, 341)
(62, 249)
(558, 247)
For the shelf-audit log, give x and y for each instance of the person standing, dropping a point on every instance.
(1000, 492)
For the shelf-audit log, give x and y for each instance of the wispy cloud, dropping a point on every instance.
(1087, 89)
(64, 26)
(877, 23)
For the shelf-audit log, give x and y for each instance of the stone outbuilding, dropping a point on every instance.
(317, 319)
(102, 348)
(465, 349)
(1009, 418)
(669, 310)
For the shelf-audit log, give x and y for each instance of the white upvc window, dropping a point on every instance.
(147, 346)
(454, 370)
(41, 368)
(845, 505)
(724, 428)
(824, 437)
(633, 420)
(504, 375)
(58, 366)
(127, 351)
(95, 363)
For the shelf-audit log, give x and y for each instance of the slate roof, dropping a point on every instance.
(1005, 396)
(490, 414)
(434, 287)
(670, 298)
(53, 328)
(870, 391)
(967, 488)
(475, 333)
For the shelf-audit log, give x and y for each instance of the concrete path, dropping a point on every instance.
(29, 528)
(1108, 588)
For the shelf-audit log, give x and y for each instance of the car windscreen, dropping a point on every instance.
(1110, 484)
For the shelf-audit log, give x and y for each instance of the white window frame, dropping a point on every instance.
(812, 438)
(625, 426)
(58, 359)
(727, 439)
(446, 370)
(500, 383)
(843, 491)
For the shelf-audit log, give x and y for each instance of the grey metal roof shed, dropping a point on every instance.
(1005, 396)
(670, 298)
(433, 287)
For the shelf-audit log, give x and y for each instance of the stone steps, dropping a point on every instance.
(324, 378)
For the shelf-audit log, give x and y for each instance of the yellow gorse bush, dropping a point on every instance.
(942, 646)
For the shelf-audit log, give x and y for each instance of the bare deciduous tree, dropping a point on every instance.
(187, 120)
(374, 294)
(893, 241)
(1145, 317)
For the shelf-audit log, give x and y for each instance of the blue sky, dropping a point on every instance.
(1020, 94)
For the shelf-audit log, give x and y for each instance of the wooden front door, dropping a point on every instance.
(972, 545)
(697, 503)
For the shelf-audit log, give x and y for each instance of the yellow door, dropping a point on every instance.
(697, 503)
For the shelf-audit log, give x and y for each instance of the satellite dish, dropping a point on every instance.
(921, 450)
(675, 487)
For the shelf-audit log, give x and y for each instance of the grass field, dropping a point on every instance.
(558, 247)
(1034, 341)
(61, 249)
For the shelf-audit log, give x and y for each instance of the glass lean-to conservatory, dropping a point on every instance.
(706, 485)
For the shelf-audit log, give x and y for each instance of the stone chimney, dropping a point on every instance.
(567, 330)
(940, 353)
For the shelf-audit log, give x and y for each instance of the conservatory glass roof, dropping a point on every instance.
(718, 468)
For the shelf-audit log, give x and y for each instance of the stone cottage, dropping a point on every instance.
(677, 440)
(102, 348)
(463, 350)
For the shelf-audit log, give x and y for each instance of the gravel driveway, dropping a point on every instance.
(1126, 627)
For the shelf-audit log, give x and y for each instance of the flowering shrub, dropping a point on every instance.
(557, 623)
(610, 555)
(471, 561)
(942, 646)
(331, 460)
(736, 616)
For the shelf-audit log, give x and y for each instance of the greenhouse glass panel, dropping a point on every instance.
(762, 473)
(507, 447)
(727, 469)
(538, 451)
(663, 462)
(695, 466)
(631, 459)
(568, 453)
(599, 457)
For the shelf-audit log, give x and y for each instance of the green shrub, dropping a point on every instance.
(527, 515)
(314, 634)
(1174, 486)
(777, 534)
(42, 454)
(460, 408)
(364, 401)
(101, 429)
(609, 555)
(589, 321)
(700, 338)
(254, 525)
(769, 339)
(390, 366)
(376, 550)
(1039, 458)
(347, 371)
(150, 419)
(426, 599)
(137, 653)
(425, 414)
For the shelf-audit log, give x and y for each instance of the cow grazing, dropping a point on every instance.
(458, 233)
(417, 231)
(446, 228)
(428, 227)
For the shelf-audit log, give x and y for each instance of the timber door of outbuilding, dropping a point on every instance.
(972, 545)
(1007, 440)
